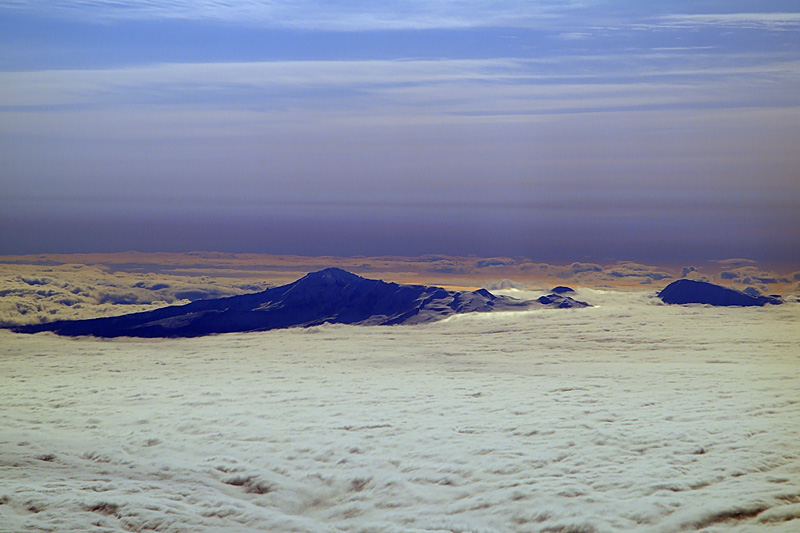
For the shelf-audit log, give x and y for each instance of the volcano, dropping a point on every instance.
(332, 295)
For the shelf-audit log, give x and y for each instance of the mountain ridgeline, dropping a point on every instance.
(687, 291)
(328, 296)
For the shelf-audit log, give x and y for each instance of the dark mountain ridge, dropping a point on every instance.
(687, 291)
(331, 295)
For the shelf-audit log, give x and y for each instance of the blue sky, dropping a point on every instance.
(553, 130)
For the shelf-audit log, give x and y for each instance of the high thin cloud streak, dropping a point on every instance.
(298, 127)
(419, 15)
(329, 16)
(769, 21)
(509, 86)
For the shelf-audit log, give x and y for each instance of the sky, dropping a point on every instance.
(559, 131)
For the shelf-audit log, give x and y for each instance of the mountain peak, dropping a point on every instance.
(330, 275)
(331, 295)
(688, 291)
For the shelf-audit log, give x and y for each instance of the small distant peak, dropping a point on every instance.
(561, 289)
(752, 291)
(485, 294)
(686, 291)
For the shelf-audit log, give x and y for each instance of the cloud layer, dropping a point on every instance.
(759, 21)
(327, 16)
(590, 16)
(628, 416)
(44, 288)
(616, 128)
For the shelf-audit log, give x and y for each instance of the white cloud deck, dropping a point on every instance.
(631, 416)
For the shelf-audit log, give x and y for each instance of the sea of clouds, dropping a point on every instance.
(30, 294)
(44, 288)
(628, 416)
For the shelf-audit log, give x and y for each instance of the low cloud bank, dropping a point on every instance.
(31, 294)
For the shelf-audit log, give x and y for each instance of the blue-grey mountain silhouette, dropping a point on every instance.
(687, 291)
(561, 289)
(331, 295)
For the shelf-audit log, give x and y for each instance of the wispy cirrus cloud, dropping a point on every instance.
(309, 14)
(151, 104)
(432, 87)
(760, 21)
(67, 87)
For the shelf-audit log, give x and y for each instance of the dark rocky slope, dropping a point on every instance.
(686, 291)
(331, 295)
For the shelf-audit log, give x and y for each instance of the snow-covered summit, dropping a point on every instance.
(328, 276)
